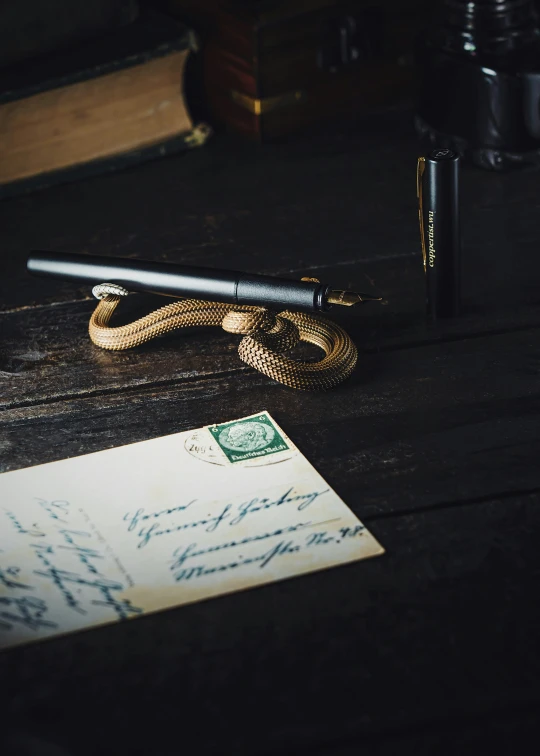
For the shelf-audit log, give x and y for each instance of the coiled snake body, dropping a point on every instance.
(266, 336)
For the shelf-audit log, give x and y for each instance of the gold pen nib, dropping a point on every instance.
(349, 298)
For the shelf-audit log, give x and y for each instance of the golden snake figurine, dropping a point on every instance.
(266, 336)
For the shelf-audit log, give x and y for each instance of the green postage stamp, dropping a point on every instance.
(251, 437)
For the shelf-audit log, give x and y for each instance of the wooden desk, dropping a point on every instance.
(434, 443)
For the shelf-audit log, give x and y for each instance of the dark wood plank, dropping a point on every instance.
(499, 732)
(440, 632)
(413, 428)
(47, 354)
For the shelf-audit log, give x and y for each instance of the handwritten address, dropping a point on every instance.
(232, 514)
(282, 548)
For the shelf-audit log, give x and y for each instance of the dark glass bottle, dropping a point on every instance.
(486, 27)
(479, 76)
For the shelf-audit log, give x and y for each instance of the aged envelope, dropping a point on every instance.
(112, 535)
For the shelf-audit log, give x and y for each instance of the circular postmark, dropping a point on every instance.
(202, 446)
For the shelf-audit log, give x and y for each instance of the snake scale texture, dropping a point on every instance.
(266, 336)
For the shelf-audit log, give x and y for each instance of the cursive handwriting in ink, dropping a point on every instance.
(140, 515)
(145, 534)
(323, 538)
(27, 611)
(7, 578)
(256, 505)
(62, 578)
(35, 531)
(59, 577)
(84, 554)
(319, 539)
(56, 510)
(215, 521)
(233, 513)
(122, 607)
(181, 554)
(352, 532)
(281, 549)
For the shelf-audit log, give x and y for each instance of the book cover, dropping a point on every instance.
(104, 105)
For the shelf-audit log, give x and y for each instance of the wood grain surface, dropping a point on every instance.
(434, 443)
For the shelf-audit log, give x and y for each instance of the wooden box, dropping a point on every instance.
(271, 68)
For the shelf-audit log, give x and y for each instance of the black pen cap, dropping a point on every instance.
(438, 198)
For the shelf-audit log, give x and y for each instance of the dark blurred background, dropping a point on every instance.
(269, 69)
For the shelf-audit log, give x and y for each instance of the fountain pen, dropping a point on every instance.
(194, 282)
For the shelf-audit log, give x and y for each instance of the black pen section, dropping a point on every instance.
(182, 281)
(440, 228)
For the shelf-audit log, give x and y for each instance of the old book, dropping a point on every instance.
(99, 107)
(272, 67)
